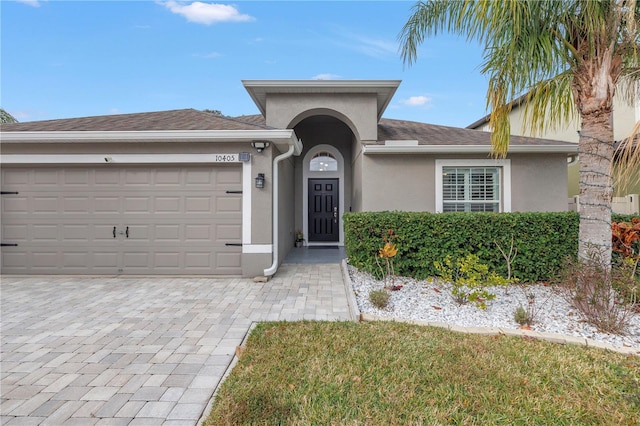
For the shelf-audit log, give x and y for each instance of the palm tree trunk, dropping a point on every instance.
(596, 186)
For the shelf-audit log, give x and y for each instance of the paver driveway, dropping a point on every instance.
(136, 351)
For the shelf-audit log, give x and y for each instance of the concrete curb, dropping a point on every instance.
(354, 312)
(488, 331)
(227, 371)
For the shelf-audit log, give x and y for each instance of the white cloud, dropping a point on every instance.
(206, 13)
(417, 101)
(32, 3)
(114, 111)
(326, 76)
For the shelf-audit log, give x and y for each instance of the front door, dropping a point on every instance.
(323, 210)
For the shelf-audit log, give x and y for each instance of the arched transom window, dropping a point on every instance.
(323, 162)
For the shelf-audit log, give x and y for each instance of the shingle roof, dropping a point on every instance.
(191, 119)
(181, 119)
(432, 134)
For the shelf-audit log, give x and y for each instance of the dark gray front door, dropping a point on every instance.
(323, 210)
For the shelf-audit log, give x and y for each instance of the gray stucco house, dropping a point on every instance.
(187, 192)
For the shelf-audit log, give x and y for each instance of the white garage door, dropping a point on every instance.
(122, 220)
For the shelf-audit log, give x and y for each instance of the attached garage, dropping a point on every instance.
(157, 193)
(111, 219)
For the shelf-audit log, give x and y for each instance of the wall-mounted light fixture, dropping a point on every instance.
(260, 145)
(260, 181)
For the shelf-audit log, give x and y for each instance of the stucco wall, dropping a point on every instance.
(356, 174)
(407, 182)
(539, 183)
(398, 182)
(358, 111)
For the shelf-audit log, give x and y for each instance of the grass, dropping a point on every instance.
(341, 373)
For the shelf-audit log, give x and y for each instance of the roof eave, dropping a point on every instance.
(467, 149)
(282, 138)
(384, 89)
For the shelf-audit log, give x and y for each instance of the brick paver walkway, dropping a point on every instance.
(139, 351)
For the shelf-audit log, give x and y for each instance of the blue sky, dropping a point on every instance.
(65, 59)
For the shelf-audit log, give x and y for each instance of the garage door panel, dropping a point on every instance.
(136, 205)
(228, 204)
(77, 177)
(199, 177)
(45, 233)
(16, 179)
(202, 259)
(168, 259)
(229, 261)
(104, 204)
(46, 178)
(228, 232)
(229, 177)
(197, 232)
(14, 259)
(106, 178)
(75, 260)
(105, 259)
(179, 220)
(167, 232)
(169, 205)
(43, 204)
(76, 204)
(15, 204)
(194, 205)
(45, 259)
(135, 177)
(136, 259)
(15, 233)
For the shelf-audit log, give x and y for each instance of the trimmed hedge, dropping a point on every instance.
(543, 240)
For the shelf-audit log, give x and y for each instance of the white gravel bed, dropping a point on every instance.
(432, 301)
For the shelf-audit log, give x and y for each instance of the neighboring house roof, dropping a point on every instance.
(181, 119)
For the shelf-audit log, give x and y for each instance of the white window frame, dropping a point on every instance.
(505, 181)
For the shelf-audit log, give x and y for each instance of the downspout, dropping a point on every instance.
(270, 271)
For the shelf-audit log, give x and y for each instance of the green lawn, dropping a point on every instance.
(384, 373)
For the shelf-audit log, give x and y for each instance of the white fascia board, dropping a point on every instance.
(466, 149)
(151, 136)
(110, 159)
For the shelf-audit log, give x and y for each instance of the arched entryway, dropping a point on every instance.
(323, 195)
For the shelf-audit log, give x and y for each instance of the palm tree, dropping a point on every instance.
(565, 55)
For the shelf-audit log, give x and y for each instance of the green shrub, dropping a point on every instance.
(543, 240)
(469, 278)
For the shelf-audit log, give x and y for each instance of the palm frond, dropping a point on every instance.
(626, 168)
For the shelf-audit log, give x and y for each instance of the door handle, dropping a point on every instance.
(126, 232)
(114, 232)
(335, 214)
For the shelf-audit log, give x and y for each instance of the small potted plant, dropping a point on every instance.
(299, 238)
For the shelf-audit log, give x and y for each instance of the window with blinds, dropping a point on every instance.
(470, 189)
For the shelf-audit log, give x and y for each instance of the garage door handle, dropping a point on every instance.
(126, 232)
(114, 232)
